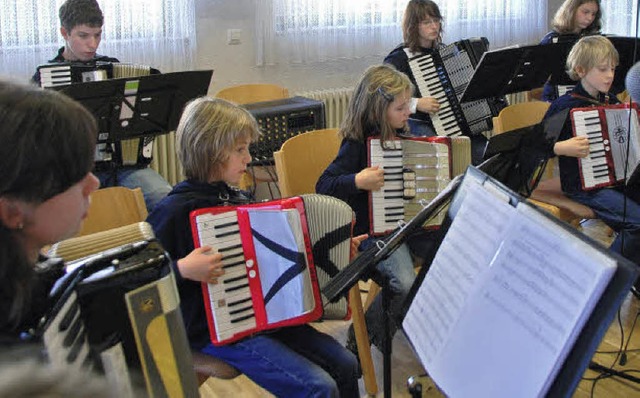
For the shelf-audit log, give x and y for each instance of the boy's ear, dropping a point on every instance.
(64, 33)
(580, 70)
(11, 214)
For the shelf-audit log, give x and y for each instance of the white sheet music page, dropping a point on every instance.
(524, 309)
(464, 254)
(282, 227)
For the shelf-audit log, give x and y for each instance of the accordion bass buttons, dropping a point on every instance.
(252, 272)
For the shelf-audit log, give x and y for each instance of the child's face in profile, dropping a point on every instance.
(599, 78)
(398, 110)
(236, 164)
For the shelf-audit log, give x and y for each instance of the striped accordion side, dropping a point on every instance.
(277, 256)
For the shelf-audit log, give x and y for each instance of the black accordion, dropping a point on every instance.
(444, 74)
(117, 313)
(63, 73)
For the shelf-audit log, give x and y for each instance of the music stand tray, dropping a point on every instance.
(134, 107)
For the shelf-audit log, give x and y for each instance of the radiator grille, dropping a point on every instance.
(336, 101)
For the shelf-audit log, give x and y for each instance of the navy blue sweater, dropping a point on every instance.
(578, 98)
(170, 221)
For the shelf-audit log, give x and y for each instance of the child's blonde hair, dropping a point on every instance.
(588, 53)
(416, 12)
(564, 21)
(367, 111)
(207, 132)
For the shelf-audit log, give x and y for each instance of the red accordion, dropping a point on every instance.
(271, 279)
(612, 131)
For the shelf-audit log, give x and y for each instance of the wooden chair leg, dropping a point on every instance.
(374, 289)
(362, 341)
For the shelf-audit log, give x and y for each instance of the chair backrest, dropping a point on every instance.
(114, 207)
(519, 115)
(303, 158)
(249, 93)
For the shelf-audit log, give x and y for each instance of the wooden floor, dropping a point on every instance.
(405, 363)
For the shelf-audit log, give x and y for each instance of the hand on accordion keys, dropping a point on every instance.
(370, 178)
(202, 265)
(428, 105)
(577, 147)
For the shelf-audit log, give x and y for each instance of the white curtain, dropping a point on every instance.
(503, 22)
(159, 33)
(305, 31)
(620, 17)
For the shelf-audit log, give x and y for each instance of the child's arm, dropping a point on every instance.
(577, 147)
(201, 265)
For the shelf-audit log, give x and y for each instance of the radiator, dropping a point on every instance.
(165, 161)
(336, 101)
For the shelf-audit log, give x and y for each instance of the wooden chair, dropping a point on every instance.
(298, 167)
(246, 94)
(124, 209)
(114, 207)
(548, 194)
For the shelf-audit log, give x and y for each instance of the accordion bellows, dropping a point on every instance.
(87, 245)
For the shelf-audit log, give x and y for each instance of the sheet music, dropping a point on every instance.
(464, 254)
(284, 228)
(504, 301)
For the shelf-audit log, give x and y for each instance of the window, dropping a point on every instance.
(163, 38)
(302, 31)
(620, 17)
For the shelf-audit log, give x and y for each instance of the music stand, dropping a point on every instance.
(513, 69)
(340, 284)
(522, 154)
(134, 107)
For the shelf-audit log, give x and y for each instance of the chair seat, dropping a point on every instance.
(207, 366)
(550, 192)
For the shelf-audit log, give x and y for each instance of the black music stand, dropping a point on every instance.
(134, 107)
(521, 155)
(514, 69)
(340, 284)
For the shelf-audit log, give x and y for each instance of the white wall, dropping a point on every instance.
(235, 64)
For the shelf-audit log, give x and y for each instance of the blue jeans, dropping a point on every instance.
(296, 361)
(608, 204)
(153, 186)
(398, 270)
